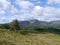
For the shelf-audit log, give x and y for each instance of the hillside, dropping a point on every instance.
(30, 24)
(16, 38)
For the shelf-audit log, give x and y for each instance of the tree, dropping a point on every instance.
(15, 25)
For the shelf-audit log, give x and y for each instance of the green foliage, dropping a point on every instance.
(15, 25)
(5, 26)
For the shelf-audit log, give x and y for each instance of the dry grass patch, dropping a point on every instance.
(16, 38)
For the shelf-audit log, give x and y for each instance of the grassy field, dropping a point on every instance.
(19, 38)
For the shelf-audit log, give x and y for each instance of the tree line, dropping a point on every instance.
(13, 25)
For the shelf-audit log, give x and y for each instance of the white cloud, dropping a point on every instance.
(2, 12)
(51, 13)
(33, 13)
(6, 6)
(37, 11)
(53, 2)
(24, 4)
(28, 10)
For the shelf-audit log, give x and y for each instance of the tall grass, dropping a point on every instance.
(22, 37)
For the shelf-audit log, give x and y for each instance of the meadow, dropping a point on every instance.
(22, 37)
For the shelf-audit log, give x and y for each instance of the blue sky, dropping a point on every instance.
(44, 10)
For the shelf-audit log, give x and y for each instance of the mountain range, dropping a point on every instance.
(40, 24)
(31, 24)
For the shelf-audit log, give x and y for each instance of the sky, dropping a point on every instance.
(44, 10)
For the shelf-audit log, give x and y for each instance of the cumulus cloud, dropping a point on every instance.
(51, 13)
(37, 11)
(28, 10)
(6, 8)
(24, 4)
(51, 2)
